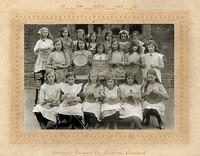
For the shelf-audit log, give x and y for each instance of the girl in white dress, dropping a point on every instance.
(153, 93)
(42, 49)
(153, 59)
(70, 108)
(80, 36)
(112, 104)
(92, 92)
(131, 98)
(124, 43)
(49, 101)
(59, 61)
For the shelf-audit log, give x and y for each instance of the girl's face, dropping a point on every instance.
(51, 78)
(93, 78)
(123, 37)
(115, 45)
(130, 80)
(151, 48)
(80, 35)
(81, 45)
(93, 37)
(110, 83)
(108, 37)
(135, 48)
(70, 80)
(100, 49)
(151, 78)
(58, 46)
(65, 33)
(45, 33)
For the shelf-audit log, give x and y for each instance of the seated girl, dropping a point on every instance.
(131, 98)
(49, 101)
(92, 92)
(153, 93)
(70, 108)
(112, 105)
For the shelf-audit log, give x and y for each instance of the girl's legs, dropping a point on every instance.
(157, 115)
(77, 122)
(42, 121)
(87, 119)
(137, 122)
(111, 121)
(146, 116)
(64, 121)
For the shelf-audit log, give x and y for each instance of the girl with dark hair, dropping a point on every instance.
(59, 61)
(80, 36)
(49, 100)
(133, 60)
(70, 108)
(92, 92)
(92, 42)
(153, 59)
(153, 93)
(107, 43)
(131, 101)
(124, 43)
(67, 42)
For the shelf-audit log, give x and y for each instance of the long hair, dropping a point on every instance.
(90, 35)
(47, 72)
(96, 73)
(107, 33)
(113, 41)
(155, 45)
(98, 45)
(78, 48)
(137, 44)
(55, 41)
(64, 29)
(152, 72)
(131, 74)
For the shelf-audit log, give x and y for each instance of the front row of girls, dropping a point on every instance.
(94, 103)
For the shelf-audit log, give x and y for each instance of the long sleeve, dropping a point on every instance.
(36, 47)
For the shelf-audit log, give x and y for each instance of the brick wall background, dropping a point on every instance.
(163, 34)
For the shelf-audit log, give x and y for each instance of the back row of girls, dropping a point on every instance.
(80, 106)
(124, 54)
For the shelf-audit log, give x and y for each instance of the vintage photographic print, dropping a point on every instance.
(99, 76)
(107, 77)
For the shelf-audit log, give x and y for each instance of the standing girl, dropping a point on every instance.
(42, 49)
(59, 61)
(124, 43)
(49, 100)
(153, 93)
(112, 105)
(133, 58)
(107, 43)
(153, 59)
(92, 92)
(116, 58)
(82, 59)
(71, 108)
(131, 98)
(67, 42)
(80, 36)
(92, 39)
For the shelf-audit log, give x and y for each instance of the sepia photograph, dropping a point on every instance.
(99, 76)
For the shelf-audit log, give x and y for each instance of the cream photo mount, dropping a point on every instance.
(180, 132)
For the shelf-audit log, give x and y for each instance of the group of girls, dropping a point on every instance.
(62, 101)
